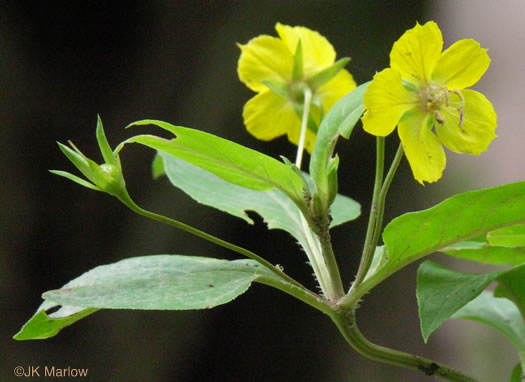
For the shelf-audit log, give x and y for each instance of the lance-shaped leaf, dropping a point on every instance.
(499, 313)
(503, 246)
(441, 292)
(228, 160)
(516, 374)
(461, 217)
(277, 210)
(483, 252)
(42, 325)
(512, 286)
(164, 282)
(340, 120)
(511, 237)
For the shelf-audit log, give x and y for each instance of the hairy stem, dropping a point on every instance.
(345, 321)
(336, 285)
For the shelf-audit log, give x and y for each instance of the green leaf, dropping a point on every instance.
(276, 209)
(278, 87)
(499, 313)
(483, 252)
(512, 286)
(157, 167)
(512, 237)
(378, 261)
(441, 292)
(230, 161)
(516, 374)
(165, 282)
(459, 218)
(171, 282)
(340, 120)
(42, 325)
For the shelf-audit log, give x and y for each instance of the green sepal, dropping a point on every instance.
(280, 88)
(298, 65)
(103, 144)
(75, 179)
(327, 74)
(106, 177)
(78, 159)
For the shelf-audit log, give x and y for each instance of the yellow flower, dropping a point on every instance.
(424, 90)
(279, 70)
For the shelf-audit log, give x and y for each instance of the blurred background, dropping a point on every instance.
(61, 63)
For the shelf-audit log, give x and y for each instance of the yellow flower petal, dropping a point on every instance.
(268, 116)
(264, 58)
(422, 148)
(318, 53)
(386, 100)
(461, 65)
(477, 130)
(416, 53)
(342, 84)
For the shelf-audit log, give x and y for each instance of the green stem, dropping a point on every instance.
(377, 209)
(315, 257)
(369, 247)
(313, 253)
(126, 199)
(336, 284)
(360, 286)
(345, 321)
(326, 269)
(304, 295)
(382, 195)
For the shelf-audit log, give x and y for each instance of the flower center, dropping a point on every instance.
(433, 98)
(297, 91)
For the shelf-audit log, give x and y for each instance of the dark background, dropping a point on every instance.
(61, 63)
